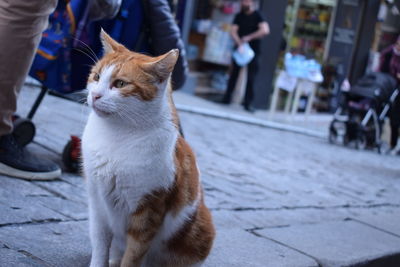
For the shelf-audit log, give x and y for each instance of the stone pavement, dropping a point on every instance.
(278, 198)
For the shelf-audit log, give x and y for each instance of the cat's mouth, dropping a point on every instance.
(100, 112)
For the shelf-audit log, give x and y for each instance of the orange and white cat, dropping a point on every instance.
(146, 205)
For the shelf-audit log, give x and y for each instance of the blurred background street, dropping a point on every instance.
(303, 172)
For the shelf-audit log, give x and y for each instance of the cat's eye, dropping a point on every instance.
(96, 77)
(119, 83)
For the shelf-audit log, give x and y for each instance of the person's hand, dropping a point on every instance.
(238, 42)
(246, 39)
(240, 48)
(398, 76)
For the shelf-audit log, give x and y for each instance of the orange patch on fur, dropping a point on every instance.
(194, 240)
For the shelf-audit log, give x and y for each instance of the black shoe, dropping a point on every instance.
(18, 162)
(249, 108)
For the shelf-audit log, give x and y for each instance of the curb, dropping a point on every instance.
(252, 121)
(386, 260)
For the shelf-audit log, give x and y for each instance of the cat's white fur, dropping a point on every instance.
(128, 150)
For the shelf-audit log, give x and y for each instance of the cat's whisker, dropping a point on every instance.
(86, 45)
(88, 55)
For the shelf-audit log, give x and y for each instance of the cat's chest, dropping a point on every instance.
(122, 168)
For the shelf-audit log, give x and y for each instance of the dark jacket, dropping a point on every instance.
(165, 35)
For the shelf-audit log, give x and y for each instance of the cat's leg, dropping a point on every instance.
(135, 250)
(116, 254)
(145, 224)
(100, 237)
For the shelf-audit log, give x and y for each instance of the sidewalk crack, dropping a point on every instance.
(253, 231)
(55, 193)
(373, 226)
(33, 257)
(37, 222)
(26, 253)
(58, 194)
(346, 206)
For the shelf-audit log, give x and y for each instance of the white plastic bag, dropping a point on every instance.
(243, 54)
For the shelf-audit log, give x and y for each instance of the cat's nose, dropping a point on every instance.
(96, 96)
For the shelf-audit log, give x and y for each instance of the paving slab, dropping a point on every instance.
(57, 244)
(9, 257)
(69, 209)
(19, 203)
(388, 221)
(253, 219)
(343, 243)
(238, 248)
(65, 190)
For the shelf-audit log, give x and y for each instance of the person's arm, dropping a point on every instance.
(263, 30)
(234, 34)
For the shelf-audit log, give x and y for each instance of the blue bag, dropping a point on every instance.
(63, 61)
(51, 65)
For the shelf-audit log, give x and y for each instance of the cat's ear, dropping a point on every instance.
(109, 44)
(164, 64)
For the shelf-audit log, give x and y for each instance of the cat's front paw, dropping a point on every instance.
(98, 263)
(114, 263)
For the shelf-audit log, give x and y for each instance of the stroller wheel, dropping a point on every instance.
(24, 130)
(337, 133)
(361, 142)
(379, 149)
(332, 137)
(345, 140)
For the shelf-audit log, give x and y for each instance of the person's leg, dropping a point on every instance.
(394, 132)
(21, 25)
(394, 136)
(231, 83)
(251, 74)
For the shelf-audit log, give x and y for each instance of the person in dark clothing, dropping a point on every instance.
(390, 63)
(248, 27)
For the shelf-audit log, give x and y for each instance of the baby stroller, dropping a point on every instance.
(363, 109)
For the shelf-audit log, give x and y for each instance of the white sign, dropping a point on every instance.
(343, 35)
(285, 81)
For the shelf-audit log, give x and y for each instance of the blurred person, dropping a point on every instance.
(249, 26)
(390, 63)
(21, 25)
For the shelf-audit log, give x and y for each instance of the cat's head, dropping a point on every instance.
(128, 84)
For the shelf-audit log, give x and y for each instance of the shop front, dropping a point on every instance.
(338, 34)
